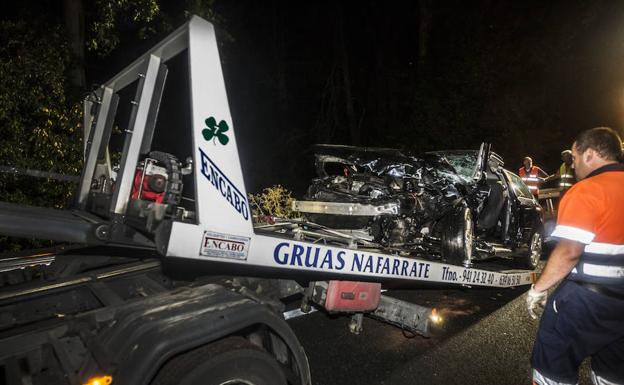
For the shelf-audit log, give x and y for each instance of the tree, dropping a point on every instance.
(39, 125)
(44, 69)
(74, 19)
(342, 53)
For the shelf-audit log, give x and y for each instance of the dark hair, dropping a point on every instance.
(604, 140)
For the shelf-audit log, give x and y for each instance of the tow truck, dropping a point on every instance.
(174, 284)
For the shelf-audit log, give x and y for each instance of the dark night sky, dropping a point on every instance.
(526, 76)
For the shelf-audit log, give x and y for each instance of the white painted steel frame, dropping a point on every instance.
(146, 67)
(132, 145)
(277, 253)
(94, 141)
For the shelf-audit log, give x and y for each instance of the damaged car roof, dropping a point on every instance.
(341, 151)
(455, 165)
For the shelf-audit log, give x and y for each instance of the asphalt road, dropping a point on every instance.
(486, 338)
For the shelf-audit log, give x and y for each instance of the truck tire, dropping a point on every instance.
(457, 237)
(231, 361)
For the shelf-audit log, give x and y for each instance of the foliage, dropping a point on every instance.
(112, 14)
(40, 115)
(115, 20)
(38, 125)
(275, 201)
(202, 8)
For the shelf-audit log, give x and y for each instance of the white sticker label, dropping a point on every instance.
(224, 246)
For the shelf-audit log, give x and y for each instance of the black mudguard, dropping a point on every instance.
(138, 338)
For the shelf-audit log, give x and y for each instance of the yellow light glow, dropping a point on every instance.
(100, 380)
(435, 317)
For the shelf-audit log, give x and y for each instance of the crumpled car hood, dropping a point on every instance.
(430, 172)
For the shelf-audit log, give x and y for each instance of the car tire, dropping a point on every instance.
(231, 361)
(534, 254)
(457, 237)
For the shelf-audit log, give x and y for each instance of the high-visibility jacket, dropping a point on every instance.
(591, 213)
(530, 178)
(566, 177)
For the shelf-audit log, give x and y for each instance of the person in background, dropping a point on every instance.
(565, 174)
(531, 175)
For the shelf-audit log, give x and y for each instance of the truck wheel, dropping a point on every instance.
(231, 361)
(534, 254)
(457, 237)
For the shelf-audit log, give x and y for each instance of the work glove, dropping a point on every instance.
(534, 300)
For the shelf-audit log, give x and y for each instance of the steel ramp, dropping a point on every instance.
(44, 223)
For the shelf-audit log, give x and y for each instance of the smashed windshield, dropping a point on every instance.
(464, 162)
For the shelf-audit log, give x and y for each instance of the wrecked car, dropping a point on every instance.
(456, 206)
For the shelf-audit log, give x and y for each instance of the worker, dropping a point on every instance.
(585, 316)
(565, 174)
(531, 175)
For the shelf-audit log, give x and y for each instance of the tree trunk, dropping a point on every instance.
(73, 14)
(379, 100)
(354, 131)
(280, 65)
(424, 34)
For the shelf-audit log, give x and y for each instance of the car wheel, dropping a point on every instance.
(533, 256)
(457, 238)
(232, 361)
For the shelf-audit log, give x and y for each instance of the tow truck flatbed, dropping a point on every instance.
(128, 321)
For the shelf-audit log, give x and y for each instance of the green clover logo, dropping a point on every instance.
(215, 131)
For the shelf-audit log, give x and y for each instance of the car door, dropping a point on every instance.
(525, 211)
(481, 165)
